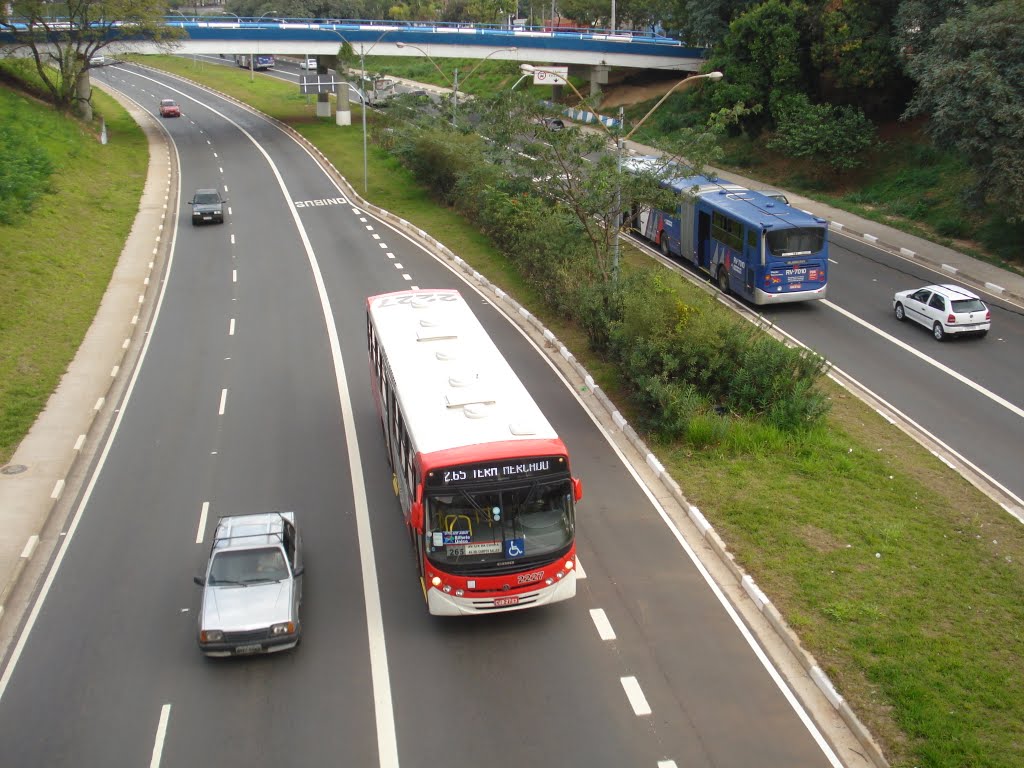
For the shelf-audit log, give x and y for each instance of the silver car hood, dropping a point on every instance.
(237, 609)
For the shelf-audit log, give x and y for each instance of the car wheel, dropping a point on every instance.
(937, 332)
(900, 314)
(723, 280)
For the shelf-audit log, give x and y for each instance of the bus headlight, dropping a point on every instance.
(436, 581)
(570, 564)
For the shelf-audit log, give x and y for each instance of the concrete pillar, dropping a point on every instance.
(598, 77)
(343, 113)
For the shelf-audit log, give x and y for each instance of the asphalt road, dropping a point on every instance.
(966, 391)
(253, 394)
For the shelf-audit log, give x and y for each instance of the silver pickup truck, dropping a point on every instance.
(252, 589)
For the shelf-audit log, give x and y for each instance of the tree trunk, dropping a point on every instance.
(83, 96)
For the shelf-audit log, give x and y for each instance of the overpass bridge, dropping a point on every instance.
(590, 53)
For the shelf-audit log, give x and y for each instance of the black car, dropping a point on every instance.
(207, 205)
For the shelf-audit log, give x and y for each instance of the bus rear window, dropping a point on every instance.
(800, 241)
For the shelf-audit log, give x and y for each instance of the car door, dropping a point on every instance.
(916, 306)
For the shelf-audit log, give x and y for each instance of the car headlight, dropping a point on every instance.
(284, 628)
(211, 636)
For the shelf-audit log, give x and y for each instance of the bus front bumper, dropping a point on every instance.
(447, 604)
(762, 296)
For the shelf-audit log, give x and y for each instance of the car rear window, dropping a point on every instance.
(968, 305)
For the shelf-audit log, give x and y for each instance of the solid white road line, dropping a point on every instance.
(202, 522)
(921, 356)
(161, 734)
(604, 627)
(636, 697)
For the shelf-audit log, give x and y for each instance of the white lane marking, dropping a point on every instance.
(223, 401)
(833, 261)
(391, 255)
(202, 522)
(375, 236)
(636, 697)
(398, 266)
(232, 238)
(666, 764)
(214, 154)
(383, 245)
(231, 327)
(935, 363)
(604, 627)
(221, 170)
(407, 277)
(234, 275)
(161, 734)
(580, 573)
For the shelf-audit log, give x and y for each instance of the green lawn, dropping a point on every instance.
(56, 262)
(903, 580)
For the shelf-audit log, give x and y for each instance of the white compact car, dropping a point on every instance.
(945, 309)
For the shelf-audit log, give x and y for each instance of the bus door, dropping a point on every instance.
(703, 238)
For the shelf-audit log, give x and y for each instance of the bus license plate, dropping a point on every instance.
(502, 601)
(249, 648)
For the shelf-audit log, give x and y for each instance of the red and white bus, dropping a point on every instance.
(482, 478)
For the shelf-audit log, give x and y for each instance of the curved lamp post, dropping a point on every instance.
(454, 81)
(620, 140)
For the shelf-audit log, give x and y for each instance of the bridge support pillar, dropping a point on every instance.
(598, 77)
(343, 112)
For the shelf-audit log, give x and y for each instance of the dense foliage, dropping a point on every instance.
(688, 366)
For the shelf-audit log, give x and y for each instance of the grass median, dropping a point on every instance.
(903, 580)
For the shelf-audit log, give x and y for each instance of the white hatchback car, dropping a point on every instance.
(945, 309)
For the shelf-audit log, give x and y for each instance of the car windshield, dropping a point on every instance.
(206, 198)
(470, 527)
(968, 305)
(247, 566)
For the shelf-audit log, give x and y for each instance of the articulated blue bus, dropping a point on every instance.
(752, 245)
(259, 62)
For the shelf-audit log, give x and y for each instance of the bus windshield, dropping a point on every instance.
(467, 526)
(799, 241)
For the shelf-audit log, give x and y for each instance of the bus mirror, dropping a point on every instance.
(577, 488)
(416, 515)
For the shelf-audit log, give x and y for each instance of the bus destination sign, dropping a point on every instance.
(507, 469)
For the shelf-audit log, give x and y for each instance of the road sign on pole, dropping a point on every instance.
(550, 76)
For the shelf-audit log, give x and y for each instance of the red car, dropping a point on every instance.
(169, 108)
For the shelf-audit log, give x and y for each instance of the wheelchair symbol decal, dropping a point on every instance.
(515, 547)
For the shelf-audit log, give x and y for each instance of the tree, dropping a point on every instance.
(854, 58)
(970, 78)
(827, 135)
(764, 58)
(64, 48)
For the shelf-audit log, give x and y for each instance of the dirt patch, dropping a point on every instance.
(628, 94)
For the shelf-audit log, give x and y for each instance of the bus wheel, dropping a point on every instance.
(723, 280)
(664, 246)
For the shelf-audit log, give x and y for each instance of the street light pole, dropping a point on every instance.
(620, 142)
